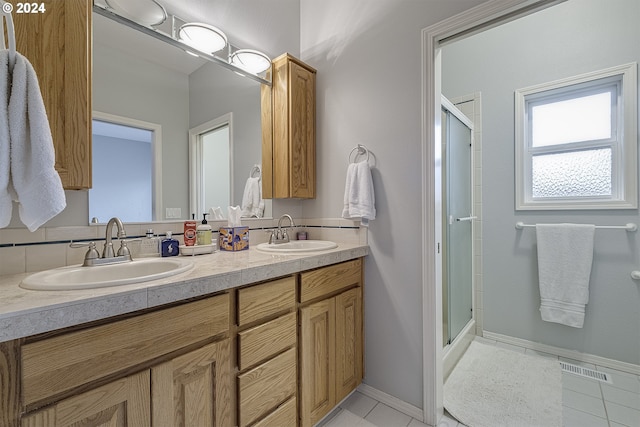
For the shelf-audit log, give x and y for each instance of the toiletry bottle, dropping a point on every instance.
(203, 232)
(170, 246)
(190, 231)
(150, 245)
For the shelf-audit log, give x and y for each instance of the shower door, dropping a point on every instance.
(458, 222)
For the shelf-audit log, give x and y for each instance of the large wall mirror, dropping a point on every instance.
(144, 80)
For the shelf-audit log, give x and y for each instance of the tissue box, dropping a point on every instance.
(233, 238)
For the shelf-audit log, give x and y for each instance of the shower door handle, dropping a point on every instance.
(467, 218)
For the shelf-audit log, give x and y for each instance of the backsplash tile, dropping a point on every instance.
(23, 251)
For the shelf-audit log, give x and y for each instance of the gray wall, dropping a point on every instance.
(368, 55)
(565, 40)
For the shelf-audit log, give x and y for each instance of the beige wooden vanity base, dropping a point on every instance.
(280, 352)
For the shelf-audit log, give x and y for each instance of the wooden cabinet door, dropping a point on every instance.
(348, 342)
(302, 131)
(57, 42)
(193, 389)
(288, 130)
(317, 361)
(121, 403)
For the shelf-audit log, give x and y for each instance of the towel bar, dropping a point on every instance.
(628, 227)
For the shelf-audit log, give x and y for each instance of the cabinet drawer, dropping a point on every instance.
(284, 415)
(265, 387)
(265, 340)
(327, 280)
(59, 364)
(260, 301)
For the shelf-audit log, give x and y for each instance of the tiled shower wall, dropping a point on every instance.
(22, 251)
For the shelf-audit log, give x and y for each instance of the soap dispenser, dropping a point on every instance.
(203, 232)
(150, 245)
(170, 246)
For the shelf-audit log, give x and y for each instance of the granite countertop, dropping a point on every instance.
(25, 312)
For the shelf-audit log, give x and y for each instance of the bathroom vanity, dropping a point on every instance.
(242, 339)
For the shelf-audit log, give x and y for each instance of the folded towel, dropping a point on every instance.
(37, 184)
(565, 254)
(6, 204)
(359, 198)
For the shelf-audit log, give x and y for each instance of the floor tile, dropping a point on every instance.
(584, 403)
(348, 419)
(621, 397)
(623, 414)
(384, 416)
(359, 404)
(574, 418)
(416, 423)
(581, 385)
(623, 380)
(448, 421)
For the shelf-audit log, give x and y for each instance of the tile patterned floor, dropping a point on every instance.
(586, 402)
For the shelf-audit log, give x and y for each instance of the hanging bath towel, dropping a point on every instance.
(6, 204)
(565, 254)
(37, 185)
(359, 198)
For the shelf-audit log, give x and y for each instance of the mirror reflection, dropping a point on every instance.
(140, 79)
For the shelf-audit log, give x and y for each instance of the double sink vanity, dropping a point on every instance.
(247, 338)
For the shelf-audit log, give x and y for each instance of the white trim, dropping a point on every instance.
(568, 354)
(156, 153)
(195, 153)
(625, 163)
(393, 402)
(485, 15)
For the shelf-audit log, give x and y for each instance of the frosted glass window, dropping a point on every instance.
(573, 174)
(586, 118)
(576, 142)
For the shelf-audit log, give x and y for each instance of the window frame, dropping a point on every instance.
(623, 141)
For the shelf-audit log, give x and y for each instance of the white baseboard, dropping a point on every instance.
(569, 354)
(394, 402)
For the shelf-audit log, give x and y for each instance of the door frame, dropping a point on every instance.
(482, 17)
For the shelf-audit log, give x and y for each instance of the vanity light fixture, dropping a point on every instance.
(146, 12)
(250, 60)
(204, 37)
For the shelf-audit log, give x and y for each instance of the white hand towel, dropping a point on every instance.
(565, 254)
(252, 203)
(359, 198)
(6, 204)
(37, 184)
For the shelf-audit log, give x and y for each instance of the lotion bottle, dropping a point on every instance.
(203, 232)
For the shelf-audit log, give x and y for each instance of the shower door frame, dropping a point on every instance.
(486, 15)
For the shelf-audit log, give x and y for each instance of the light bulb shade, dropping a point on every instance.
(144, 12)
(250, 60)
(206, 38)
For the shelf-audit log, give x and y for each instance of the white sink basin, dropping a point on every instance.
(79, 277)
(297, 246)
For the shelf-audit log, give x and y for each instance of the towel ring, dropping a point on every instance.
(255, 170)
(359, 149)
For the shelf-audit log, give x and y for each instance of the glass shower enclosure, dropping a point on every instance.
(457, 269)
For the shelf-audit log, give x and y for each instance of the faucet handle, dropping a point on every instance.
(124, 249)
(92, 252)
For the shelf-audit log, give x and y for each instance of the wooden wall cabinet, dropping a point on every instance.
(331, 347)
(58, 42)
(289, 130)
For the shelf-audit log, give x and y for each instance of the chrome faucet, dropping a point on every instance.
(92, 257)
(279, 235)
